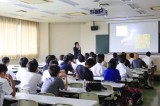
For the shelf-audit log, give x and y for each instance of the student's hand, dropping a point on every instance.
(60, 75)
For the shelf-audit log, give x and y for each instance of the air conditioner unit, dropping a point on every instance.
(35, 1)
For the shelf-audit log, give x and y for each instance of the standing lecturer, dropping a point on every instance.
(76, 50)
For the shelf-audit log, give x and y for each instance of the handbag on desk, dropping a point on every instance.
(94, 86)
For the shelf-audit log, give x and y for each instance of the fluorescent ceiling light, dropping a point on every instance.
(5, 1)
(77, 14)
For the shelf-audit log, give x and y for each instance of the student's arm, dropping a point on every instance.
(118, 75)
(9, 78)
(144, 64)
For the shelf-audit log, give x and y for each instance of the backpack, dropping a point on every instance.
(134, 96)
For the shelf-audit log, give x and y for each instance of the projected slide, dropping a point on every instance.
(134, 37)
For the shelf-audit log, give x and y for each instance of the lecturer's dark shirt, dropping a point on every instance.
(76, 52)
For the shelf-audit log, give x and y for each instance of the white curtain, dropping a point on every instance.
(18, 38)
(8, 37)
(29, 39)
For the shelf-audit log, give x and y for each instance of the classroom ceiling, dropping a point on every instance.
(78, 10)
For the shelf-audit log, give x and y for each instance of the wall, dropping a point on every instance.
(43, 41)
(88, 41)
(63, 36)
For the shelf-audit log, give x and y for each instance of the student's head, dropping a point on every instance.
(5, 60)
(55, 62)
(61, 57)
(131, 55)
(99, 58)
(86, 56)
(71, 56)
(3, 70)
(112, 64)
(66, 59)
(115, 55)
(50, 57)
(23, 62)
(54, 70)
(33, 65)
(76, 44)
(91, 54)
(122, 59)
(103, 56)
(46, 58)
(148, 54)
(89, 63)
(81, 58)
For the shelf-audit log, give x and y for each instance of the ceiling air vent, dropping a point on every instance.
(35, 1)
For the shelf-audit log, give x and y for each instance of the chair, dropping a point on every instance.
(111, 98)
(76, 85)
(59, 104)
(46, 94)
(24, 91)
(89, 96)
(27, 103)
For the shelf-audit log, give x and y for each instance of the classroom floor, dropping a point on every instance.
(151, 97)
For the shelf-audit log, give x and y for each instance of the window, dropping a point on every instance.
(18, 38)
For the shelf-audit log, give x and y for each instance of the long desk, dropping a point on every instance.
(114, 85)
(50, 99)
(79, 90)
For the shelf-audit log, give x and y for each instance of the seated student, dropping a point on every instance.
(131, 58)
(6, 60)
(138, 63)
(104, 63)
(23, 63)
(124, 71)
(98, 68)
(48, 59)
(66, 65)
(31, 79)
(86, 56)
(115, 57)
(81, 60)
(54, 83)
(74, 65)
(8, 84)
(60, 59)
(127, 63)
(46, 73)
(84, 72)
(111, 73)
(147, 59)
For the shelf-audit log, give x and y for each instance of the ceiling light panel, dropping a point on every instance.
(25, 6)
(70, 2)
(49, 12)
(35, 1)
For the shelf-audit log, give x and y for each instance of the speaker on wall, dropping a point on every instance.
(94, 28)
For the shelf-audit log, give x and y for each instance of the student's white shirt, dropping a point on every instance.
(148, 61)
(74, 65)
(20, 72)
(124, 71)
(80, 63)
(131, 60)
(10, 72)
(60, 61)
(98, 69)
(30, 80)
(6, 87)
(45, 75)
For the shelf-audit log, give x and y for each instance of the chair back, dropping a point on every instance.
(89, 96)
(27, 103)
(76, 85)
